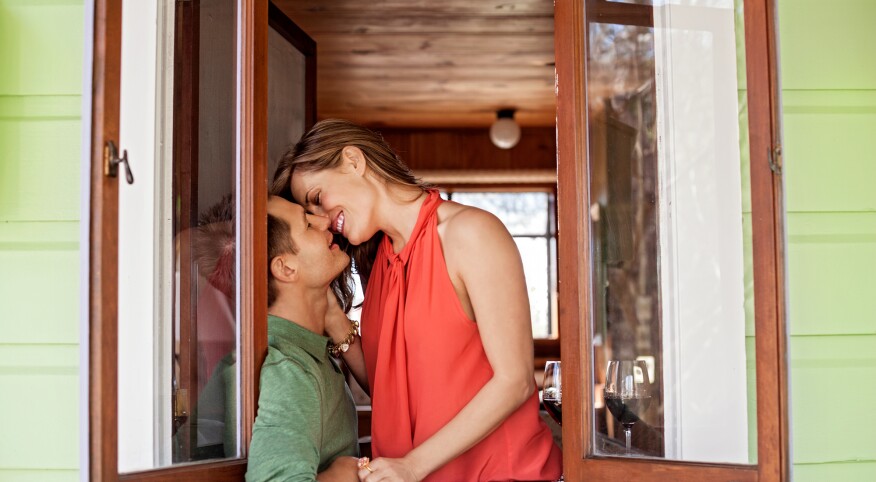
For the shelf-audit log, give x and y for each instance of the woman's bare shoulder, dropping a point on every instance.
(458, 223)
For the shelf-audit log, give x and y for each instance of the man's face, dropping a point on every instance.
(319, 260)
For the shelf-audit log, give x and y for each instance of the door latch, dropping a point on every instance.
(111, 161)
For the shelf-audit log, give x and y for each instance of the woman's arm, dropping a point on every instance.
(337, 326)
(483, 259)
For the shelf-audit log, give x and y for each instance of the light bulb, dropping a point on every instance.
(505, 133)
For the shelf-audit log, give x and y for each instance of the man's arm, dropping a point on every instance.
(343, 469)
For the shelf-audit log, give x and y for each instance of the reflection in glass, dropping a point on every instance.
(206, 325)
(627, 393)
(669, 204)
(178, 290)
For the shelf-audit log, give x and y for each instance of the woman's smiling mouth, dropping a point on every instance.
(338, 224)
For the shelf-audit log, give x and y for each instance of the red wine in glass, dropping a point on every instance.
(627, 393)
(626, 410)
(552, 393)
(554, 409)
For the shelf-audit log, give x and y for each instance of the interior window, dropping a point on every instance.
(529, 217)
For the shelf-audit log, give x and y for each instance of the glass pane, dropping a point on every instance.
(534, 252)
(178, 321)
(671, 270)
(521, 212)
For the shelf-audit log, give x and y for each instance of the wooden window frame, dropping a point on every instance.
(570, 20)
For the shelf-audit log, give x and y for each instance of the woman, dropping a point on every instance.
(446, 344)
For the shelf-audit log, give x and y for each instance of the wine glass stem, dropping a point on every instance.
(628, 433)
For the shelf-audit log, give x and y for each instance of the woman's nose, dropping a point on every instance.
(320, 221)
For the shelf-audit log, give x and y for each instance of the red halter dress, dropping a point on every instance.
(425, 362)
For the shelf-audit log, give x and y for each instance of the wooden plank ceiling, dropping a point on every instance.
(431, 63)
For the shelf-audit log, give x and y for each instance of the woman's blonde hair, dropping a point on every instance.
(321, 148)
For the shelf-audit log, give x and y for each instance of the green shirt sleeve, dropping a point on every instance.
(287, 433)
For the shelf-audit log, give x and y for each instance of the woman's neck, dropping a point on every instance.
(400, 208)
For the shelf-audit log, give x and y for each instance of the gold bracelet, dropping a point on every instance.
(336, 350)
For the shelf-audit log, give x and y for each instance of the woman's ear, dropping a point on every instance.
(284, 268)
(355, 158)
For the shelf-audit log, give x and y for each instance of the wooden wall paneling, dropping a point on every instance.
(470, 149)
(103, 245)
(421, 8)
(371, 21)
(442, 63)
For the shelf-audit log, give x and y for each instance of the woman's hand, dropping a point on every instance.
(386, 470)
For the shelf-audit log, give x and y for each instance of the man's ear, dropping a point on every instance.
(355, 158)
(285, 268)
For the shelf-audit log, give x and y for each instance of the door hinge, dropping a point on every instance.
(774, 156)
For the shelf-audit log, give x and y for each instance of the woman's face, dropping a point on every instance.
(343, 194)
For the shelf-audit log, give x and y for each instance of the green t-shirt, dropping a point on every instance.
(306, 416)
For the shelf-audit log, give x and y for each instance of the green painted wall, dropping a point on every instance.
(40, 93)
(828, 70)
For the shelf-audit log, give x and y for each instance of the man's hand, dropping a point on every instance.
(343, 469)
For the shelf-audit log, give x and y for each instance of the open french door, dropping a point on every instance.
(177, 332)
(671, 241)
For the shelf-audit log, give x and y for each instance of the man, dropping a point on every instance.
(306, 424)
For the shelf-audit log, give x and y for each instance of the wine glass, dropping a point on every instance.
(552, 393)
(627, 393)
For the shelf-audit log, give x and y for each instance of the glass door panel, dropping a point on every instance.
(179, 322)
(671, 237)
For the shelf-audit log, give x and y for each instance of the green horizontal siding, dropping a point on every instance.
(832, 393)
(835, 471)
(829, 140)
(832, 281)
(828, 74)
(40, 137)
(827, 45)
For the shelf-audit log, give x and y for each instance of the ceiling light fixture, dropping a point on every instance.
(505, 133)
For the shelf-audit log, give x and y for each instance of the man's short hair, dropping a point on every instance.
(279, 243)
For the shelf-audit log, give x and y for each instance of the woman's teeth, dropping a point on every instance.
(339, 224)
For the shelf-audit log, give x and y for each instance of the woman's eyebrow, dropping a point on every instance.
(307, 197)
